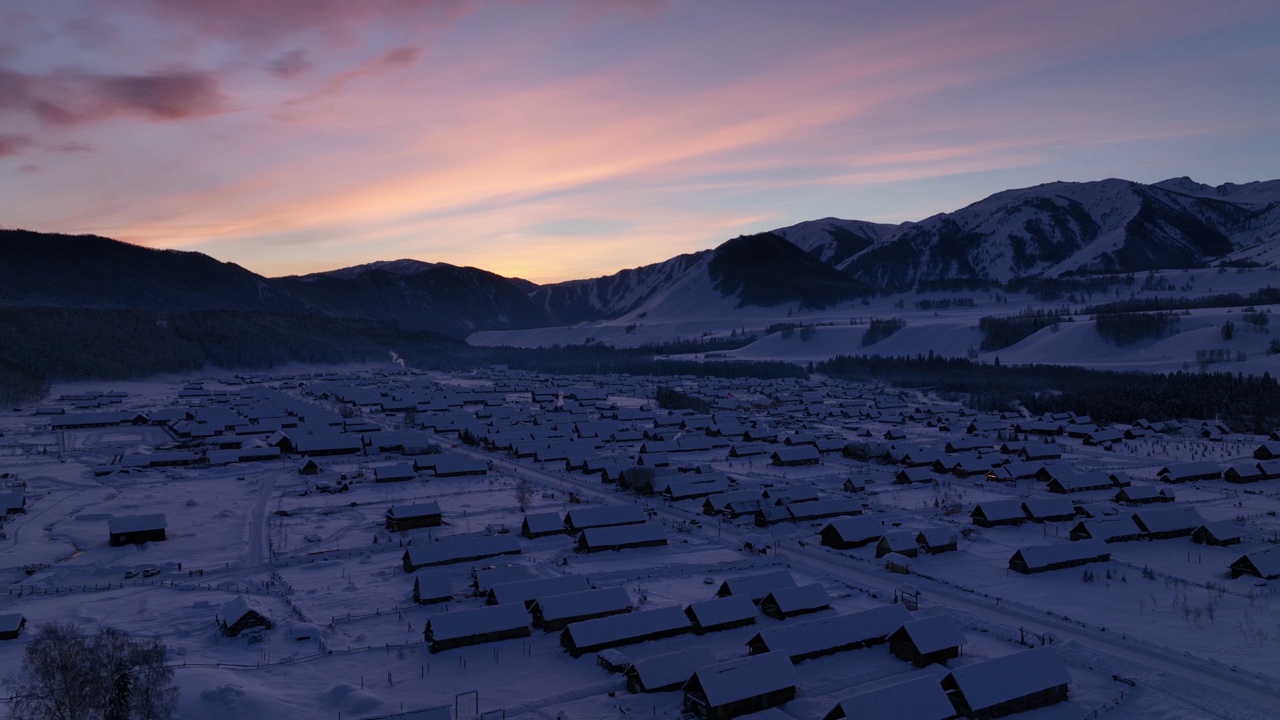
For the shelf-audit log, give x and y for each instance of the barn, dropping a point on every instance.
(453, 551)
(994, 513)
(538, 525)
(789, 602)
(458, 465)
(1168, 522)
(240, 615)
(721, 613)
(667, 672)
(410, 517)
(796, 456)
(1189, 472)
(1220, 533)
(621, 537)
(473, 627)
(928, 640)
(13, 502)
(554, 612)
(1049, 509)
(934, 540)
(851, 532)
(1107, 529)
(1143, 494)
(1074, 482)
(741, 686)
(1009, 684)
(399, 472)
(579, 519)
(1260, 563)
(1043, 558)
(825, 636)
(528, 591)
(920, 698)
(618, 630)
(132, 529)
(755, 587)
(902, 542)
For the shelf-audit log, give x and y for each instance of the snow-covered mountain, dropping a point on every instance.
(1108, 226)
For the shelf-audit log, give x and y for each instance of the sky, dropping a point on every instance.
(564, 139)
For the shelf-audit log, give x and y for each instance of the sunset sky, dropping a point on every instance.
(560, 139)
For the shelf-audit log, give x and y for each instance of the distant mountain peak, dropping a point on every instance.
(403, 266)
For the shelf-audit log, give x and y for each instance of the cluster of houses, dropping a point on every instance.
(604, 620)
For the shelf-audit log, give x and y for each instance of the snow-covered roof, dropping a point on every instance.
(756, 587)
(611, 535)
(800, 597)
(488, 577)
(440, 553)
(547, 522)
(586, 602)
(1012, 676)
(857, 528)
(238, 608)
(743, 678)
(464, 623)
(724, 610)
(934, 633)
(600, 631)
(831, 632)
(1042, 555)
(604, 515)
(920, 698)
(671, 668)
(1166, 519)
(136, 523)
(433, 584)
(528, 590)
(412, 511)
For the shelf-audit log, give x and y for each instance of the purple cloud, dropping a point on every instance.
(290, 64)
(68, 98)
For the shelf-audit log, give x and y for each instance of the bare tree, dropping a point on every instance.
(524, 493)
(68, 675)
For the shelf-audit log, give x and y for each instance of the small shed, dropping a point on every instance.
(741, 686)
(11, 625)
(927, 640)
(431, 586)
(241, 614)
(1013, 683)
(132, 529)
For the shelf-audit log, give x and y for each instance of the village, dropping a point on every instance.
(377, 543)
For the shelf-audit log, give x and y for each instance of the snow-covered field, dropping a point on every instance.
(1161, 630)
(691, 309)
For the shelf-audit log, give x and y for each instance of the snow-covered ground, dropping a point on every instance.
(1160, 632)
(692, 310)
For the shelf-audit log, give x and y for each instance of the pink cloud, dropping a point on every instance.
(14, 144)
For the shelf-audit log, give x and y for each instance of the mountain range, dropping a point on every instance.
(1055, 230)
